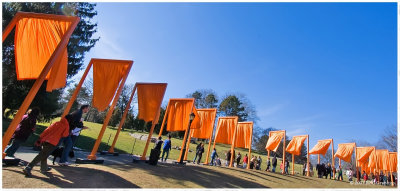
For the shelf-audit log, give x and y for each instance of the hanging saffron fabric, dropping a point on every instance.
(207, 118)
(321, 147)
(274, 140)
(179, 114)
(345, 151)
(107, 74)
(382, 157)
(149, 99)
(393, 161)
(244, 135)
(294, 146)
(35, 41)
(225, 129)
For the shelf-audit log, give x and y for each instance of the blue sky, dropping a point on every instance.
(323, 69)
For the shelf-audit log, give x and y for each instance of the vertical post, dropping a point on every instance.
(308, 155)
(292, 164)
(183, 144)
(121, 123)
(333, 160)
(77, 89)
(92, 155)
(251, 141)
(269, 136)
(162, 124)
(36, 86)
(210, 139)
(187, 145)
(10, 26)
(318, 158)
(231, 163)
(355, 152)
(284, 146)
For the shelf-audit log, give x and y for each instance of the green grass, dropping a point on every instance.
(125, 143)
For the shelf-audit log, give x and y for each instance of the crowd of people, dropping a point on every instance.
(66, 131)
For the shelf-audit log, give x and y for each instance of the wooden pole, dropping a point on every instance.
(77, 89)
(187, 145)
(269, 136)
(92, 155)
(333, 160)
(308, 155)
(251, 141)
(284, 146)
(36, 86)
(163, 122)
(121, 123)
(233, 146)
(10, 26)
(292, 164)
(318, 158)
(209, 140)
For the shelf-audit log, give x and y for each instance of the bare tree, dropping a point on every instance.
(389, 138)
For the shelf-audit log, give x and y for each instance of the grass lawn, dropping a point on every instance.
(125, 143)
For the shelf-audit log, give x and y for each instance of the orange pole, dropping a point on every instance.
(284, 146)
(251, 141)
(77, 89)
(308, 155)
(318, 158)
(10, 26)
(187, 145)
(292, 164)
(233, 146)
(333, 160)
(162, 124)
(121, 123)
(35, 88)
(355, 152)
(92, 155)
(184, 137)
(209, 141)
(269, 135)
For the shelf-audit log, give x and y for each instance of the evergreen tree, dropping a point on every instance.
(81, 41)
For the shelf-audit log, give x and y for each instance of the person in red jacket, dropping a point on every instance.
(49, 140)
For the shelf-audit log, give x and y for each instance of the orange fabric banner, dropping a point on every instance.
(149, 100)
(321, 147)
(345, 151)
(363, 154)
(294, 146)
(393, 161)
(372, 161)
(35, 41)
(107, 74)
(179, 114)
(382, 159)
(274, 140)
(243, 135)
(207, 118)
(196, 121)
(225, 129)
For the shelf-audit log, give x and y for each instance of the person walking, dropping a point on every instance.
(259, 161)
(245, 161)
(274, 163)
(166, 148)
(228, 158)
(213, 156)
(268, 165)
(48, 140)
(287, 165)
(340, 173)
(200, 153)
(24, 129)
(197, 148)
(329, 171)
(238, 157)
(73, 121)
(304, 169)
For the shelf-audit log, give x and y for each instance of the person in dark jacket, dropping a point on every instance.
(268, 165)
(228, 157)
(48, 140)
(158, 144)
(274, 163)
(74, 119)
(200, 153)
(166, 148)
(24, 129)
(238, 158)
(197, 148)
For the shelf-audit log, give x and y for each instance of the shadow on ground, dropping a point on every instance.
(77, 177)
